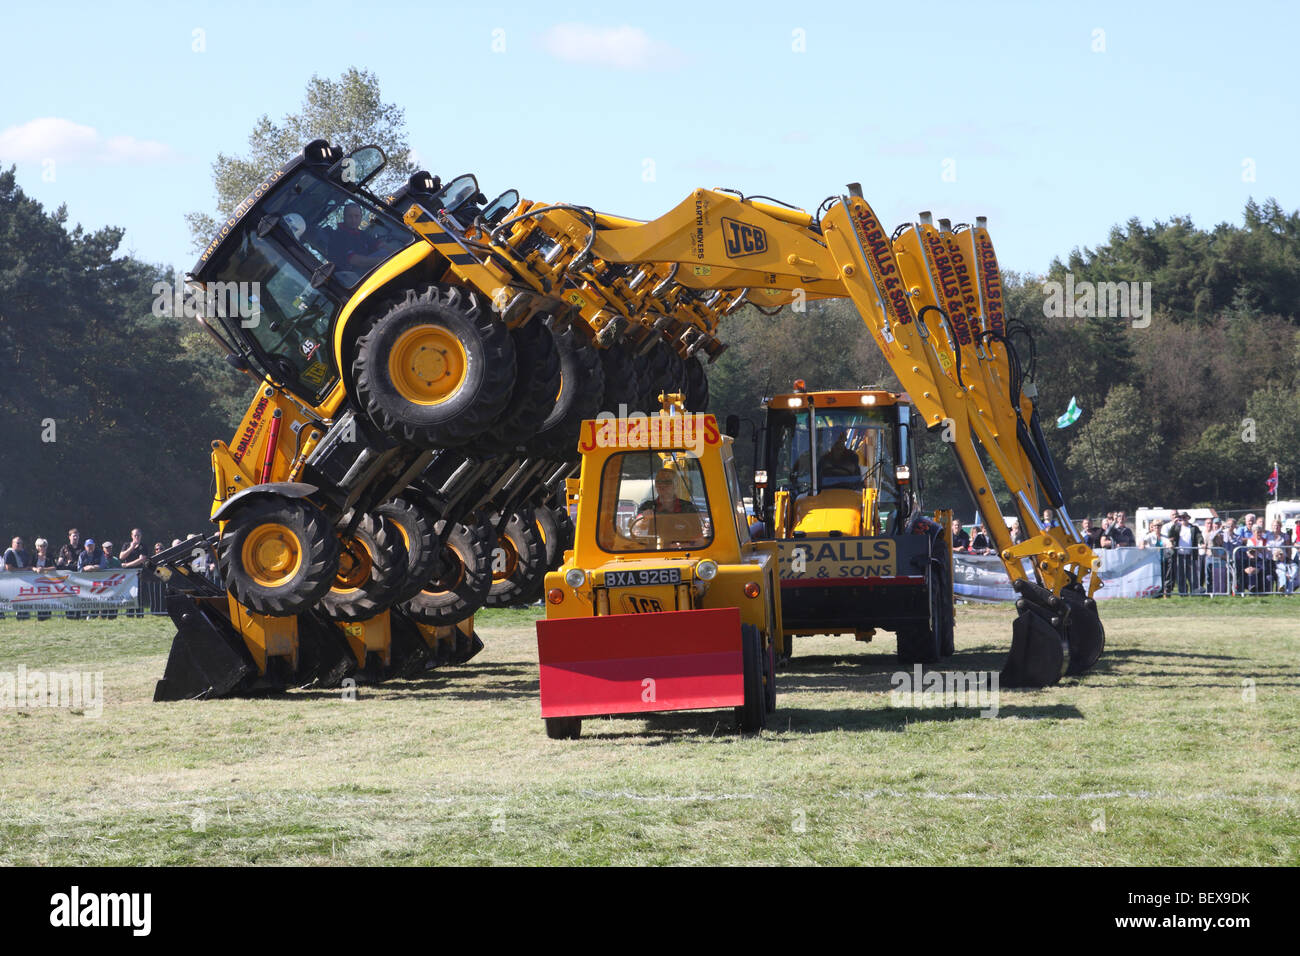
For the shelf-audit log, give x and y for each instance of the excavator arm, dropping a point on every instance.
(931, 298)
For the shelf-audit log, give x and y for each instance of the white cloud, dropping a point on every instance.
(624, 48)
(51, 137)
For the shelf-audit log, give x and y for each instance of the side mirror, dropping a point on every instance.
(501, 206)
(731, 428)
(359, 166)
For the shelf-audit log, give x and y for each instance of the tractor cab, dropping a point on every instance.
(835, 462)
(294, 253)
(664, 603)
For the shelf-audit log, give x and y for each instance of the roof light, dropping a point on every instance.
(760, 478)
(902, 473)
(796, 403)
(868, 399)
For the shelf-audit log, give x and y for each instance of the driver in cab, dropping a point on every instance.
(351, 246)
(652, 514)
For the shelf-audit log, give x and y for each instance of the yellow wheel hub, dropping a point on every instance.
(271, 555)
(355, 564)
(511, 562)
(427, 365)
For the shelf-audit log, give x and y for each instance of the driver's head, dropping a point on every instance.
(352, 216)
(665, 482)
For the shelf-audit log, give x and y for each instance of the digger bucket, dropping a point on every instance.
(324, 657)
(641, 663)
(1039, 650)
(207, 657)
(1083, 631)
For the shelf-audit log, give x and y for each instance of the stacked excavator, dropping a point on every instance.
(425, 362)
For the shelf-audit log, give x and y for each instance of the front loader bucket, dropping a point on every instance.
(1039, 651)
(207, 658)
(641, 663)
(465, 646)
(410, 655)
(324, 657)
(1083, 631)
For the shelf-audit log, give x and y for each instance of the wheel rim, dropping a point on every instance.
(427, 365)
(512, 560)
(453, 564)
(271, 554)
(355, 565)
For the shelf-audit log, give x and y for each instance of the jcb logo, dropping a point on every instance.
(636, 604)
(742, 239)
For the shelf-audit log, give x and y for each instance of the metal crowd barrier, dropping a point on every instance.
(1240, 570)
(1259, 570)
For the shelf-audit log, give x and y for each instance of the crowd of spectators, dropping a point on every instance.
(1216, 555)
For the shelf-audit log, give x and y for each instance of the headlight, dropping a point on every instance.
(706, 570)
(575, 577)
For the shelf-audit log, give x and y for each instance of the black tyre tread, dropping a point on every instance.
(552, 537)
(515, 590)
(462, 417)
(622, 385)
(660, 370)
(752, 715)
(537, 382)
(582, 389)
(314, 578)
(473, 543)
(416, 521)
(388, 559)
(697, 386)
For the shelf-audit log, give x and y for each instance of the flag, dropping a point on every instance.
(1272, 482)
(1071, 415)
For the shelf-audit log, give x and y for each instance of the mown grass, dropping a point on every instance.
(1178, 748)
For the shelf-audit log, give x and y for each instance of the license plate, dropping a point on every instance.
(627, 579)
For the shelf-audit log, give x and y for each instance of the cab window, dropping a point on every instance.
(653, 501)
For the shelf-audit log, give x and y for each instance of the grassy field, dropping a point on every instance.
(1179, 748)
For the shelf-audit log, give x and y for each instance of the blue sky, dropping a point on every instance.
(1009, 110)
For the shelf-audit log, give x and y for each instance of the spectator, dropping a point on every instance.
(1276, 537)
(1214, 557)
(89, 558)
(1091, 535)
(960, 539)
(157, 547)
(110, 560)
(1185, 539)
(17, 558)
(134, 555)
(980, 542)
(1254, 564)
(1247, 526)
(70, 553)
(1106, 542)
(1152, 539)
(1049, 518)
(1121, 533)
(1017, 535)
(1106, 524)
(42, 560)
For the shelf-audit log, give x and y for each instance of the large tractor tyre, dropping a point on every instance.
(371, 574)
(697, 386)
(660, 370)
(565, 524)
(462, 580)
(436, 369)
(622, 386)
(923, 643)
(537, 385)
(415, 522)
(582, 390)
(552, 537)
(564, 728)
(278, 555)
(752, 715)
(518, 562)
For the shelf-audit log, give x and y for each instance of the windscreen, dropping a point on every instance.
(653, 501)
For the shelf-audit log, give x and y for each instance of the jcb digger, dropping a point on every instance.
(836, 486)
(391, 328)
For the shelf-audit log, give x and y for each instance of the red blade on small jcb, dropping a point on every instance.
(635, 663)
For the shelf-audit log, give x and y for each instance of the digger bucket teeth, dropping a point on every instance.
(207, 658)
(1083, 630)
(1039, 650)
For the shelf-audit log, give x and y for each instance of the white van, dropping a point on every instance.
(1288, 511)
